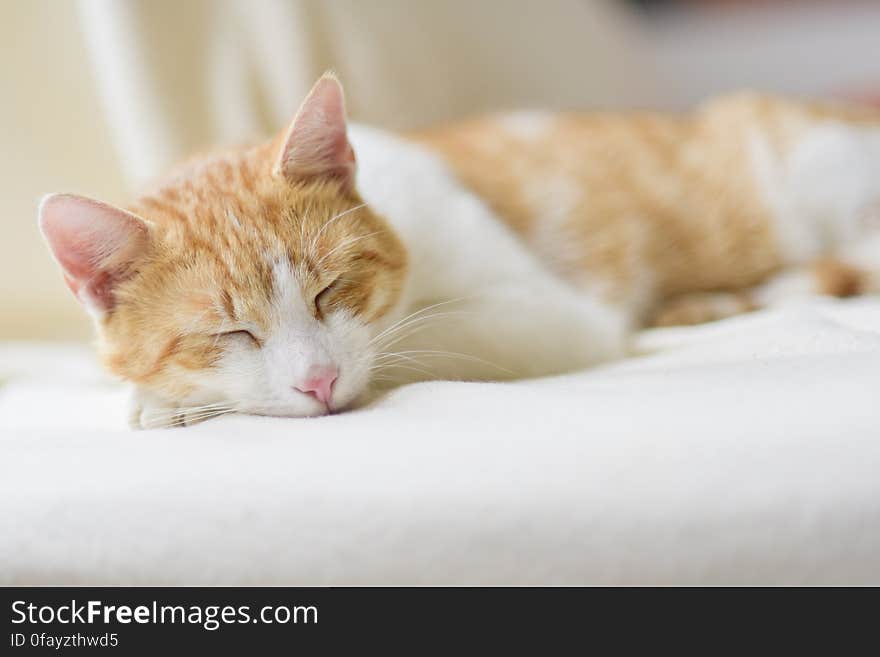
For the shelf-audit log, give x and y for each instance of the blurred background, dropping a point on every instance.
(101, 95)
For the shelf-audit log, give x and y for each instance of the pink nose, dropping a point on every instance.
(319, 382)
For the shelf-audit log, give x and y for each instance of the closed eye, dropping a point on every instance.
(242, 334)
(321, 297)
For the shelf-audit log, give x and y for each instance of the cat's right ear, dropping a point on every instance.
(95, 244)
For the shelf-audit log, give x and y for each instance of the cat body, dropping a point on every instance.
(652, 211)
(276, 280)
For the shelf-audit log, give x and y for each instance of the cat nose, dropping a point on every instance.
(318, 382)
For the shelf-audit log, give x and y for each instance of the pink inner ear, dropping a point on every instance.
(317, 141)
(93, 242)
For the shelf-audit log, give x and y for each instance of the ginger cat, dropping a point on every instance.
(291, 278)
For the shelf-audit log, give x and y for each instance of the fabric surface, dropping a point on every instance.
(745, 451)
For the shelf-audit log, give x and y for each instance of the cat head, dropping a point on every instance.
(256, 279)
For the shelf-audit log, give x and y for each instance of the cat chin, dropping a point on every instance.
(275, 411)
(310, 409)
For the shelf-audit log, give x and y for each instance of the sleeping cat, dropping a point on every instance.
(288, 280)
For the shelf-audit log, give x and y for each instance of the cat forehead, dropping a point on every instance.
(260, 229)
(234, 186)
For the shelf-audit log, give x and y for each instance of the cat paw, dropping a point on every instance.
(694, 309)
(149, 412)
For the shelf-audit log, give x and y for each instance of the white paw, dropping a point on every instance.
(147, 411)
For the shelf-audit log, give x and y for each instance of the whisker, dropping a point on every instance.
(398, 332)
(345, 243)
(413, 315)
(192, 411)
(181, 419)
(333, 219)
(400, 321)
(416, 325)
(396, 359)
(407, 367)
(453, 354)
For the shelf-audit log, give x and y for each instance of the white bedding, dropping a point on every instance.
(746, 451)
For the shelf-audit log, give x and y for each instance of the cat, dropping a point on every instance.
(300, 276)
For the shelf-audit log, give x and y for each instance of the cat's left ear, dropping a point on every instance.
(316, 144)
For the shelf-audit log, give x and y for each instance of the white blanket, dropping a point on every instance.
(746, 451)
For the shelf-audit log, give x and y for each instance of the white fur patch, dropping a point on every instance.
(820, 193)
(787, 287)
(508, 313)
(797, 238)
(527, 124)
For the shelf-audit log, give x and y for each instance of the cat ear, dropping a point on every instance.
(95, 244)
(316, 143)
